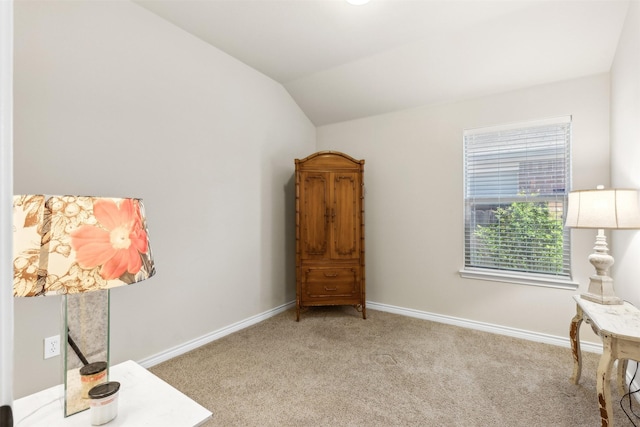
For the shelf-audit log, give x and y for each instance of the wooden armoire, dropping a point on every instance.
(330, 231)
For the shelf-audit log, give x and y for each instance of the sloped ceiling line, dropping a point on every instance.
(342, 62)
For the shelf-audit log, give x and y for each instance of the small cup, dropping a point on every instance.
(104, 402)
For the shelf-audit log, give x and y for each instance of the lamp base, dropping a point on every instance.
(601, 291)
(86, 317)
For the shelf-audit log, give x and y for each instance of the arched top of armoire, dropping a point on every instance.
(329, 160)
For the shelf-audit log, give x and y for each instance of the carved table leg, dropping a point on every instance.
(574, 333)
(622, 376)
(603, 382)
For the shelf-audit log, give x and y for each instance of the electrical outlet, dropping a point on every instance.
(52, 347)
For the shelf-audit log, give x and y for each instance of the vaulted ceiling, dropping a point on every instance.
(341, 62)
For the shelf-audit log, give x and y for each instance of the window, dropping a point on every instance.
(516, 186)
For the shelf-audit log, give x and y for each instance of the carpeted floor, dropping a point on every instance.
(335, 369)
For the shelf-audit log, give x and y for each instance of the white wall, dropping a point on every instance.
(143, 109)
(625, 149)
(111, 100)
(414, 202)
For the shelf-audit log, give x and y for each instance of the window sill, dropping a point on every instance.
(531, 280)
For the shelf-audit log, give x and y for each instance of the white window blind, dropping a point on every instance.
(516, 185)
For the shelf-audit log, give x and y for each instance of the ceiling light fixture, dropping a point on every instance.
(358, 2)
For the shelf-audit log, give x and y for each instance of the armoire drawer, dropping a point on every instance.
(330, 282)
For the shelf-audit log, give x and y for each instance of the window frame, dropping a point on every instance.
(513, 276)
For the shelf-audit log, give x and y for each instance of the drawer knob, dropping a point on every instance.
(330, 274)
(330, 289)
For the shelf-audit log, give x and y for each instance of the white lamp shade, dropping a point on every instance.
(609, 208)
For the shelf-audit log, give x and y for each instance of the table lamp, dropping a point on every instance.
(601, 209)
(80, 247)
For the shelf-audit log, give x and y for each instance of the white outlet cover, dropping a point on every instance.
(51, 347)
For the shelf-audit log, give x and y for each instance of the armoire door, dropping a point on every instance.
(314, 221)
(345, 227)
(329, 223)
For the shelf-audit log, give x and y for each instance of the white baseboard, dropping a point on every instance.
(504, 330)
(212, 336)
(487, 327)
(456, 321)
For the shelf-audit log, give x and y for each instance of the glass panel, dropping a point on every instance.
(86, 356)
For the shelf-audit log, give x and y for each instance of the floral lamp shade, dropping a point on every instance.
(75, 244)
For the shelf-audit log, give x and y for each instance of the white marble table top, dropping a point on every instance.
(622, 320)
(143, 400)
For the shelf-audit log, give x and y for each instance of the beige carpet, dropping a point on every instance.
(335, 369)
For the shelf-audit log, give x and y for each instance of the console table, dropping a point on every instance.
(143, 400)
(619, 328)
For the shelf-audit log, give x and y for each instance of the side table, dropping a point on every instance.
(619, 328)
(144, 400)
